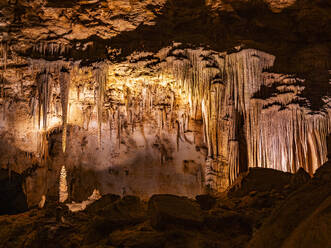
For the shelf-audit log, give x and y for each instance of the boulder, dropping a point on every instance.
(103, 204)
(169, 210)
(206, 202)
(300, 177)
(128, 211)
(12, 197)
(228, 221)
(302, 220)
(137, 238)
(259, 180)
(323, 174)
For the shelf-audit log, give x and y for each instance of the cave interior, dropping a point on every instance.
(163, 123)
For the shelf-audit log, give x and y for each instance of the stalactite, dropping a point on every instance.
(4, 52)
(88, 115)
(46, 105)
(100, 75)
(43, 147)
(119, 127)
(178, 134)
(54, 49)
(110, 122)
(64, 89)
(3, 104)
(43, 103)
(223, 85)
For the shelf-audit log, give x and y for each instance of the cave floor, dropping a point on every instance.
(250, 214)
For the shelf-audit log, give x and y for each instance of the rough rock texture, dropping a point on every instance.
(300, 177)
(169, 210)
(286, 217)
(206, 202)
(260, 180)
(134, 97)
(303, 220)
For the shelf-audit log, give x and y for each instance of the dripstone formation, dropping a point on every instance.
(144, 97)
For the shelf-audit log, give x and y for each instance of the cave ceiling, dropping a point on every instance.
(296, 32)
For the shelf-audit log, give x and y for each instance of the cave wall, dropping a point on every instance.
(142, 97)
(247, 108)
(117, 134)
(199, 120)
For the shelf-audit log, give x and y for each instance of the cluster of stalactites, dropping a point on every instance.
(53, 82)
(126, 107)
(222, 87)
(50, 49)
(287, 140)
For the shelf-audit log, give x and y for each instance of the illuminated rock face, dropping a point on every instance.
(63, 188)
(200, 119)
(113, 132)
(242, 126)
(131, 106)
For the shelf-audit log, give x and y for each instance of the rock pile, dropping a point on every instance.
(253, 214)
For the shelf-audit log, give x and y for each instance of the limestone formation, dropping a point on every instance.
(63, 186)
(160, 96)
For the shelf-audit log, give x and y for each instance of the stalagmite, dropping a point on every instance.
(63, 187)
(42, 202)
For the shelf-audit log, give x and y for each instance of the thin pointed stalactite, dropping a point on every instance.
(4, 54)
(64, 89)
(178, 134)
(43, 103)
(110, 123)
(3, 101)
(100, 75)
(119, 127)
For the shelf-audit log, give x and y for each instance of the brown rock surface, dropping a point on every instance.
(303, 220)
(169, 210)
(259, 180)
(255, 75)
(296, 218)
(300, 177)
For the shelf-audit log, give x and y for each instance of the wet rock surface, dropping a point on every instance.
(278, 217)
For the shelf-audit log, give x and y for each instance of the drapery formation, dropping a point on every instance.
(243, 129)
(251, 116)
